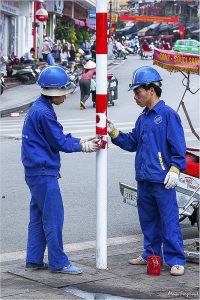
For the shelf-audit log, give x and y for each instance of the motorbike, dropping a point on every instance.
(2, 84)
(26, 74)
(119, 53)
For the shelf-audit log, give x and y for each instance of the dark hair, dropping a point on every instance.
(48, 97)
(32, 50)
(156, 88)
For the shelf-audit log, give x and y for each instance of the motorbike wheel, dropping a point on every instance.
(30, 79)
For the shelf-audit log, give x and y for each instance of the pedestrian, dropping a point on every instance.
(93, 51)
(64, 55)
(158, 140)
(85, 82)
(86, 47)
(72, 58)
(42, 141)
(46, 48)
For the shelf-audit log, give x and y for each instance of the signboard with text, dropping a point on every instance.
(160, 19)
(176, 61)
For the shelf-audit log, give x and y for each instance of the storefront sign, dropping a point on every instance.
(10, 7)
(173, 61)
(161, 19)
(55, 6)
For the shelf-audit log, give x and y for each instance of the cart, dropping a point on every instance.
(188, 189)
(145, 51)
(112, 91)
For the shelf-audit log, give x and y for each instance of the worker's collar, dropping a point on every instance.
(46, 102)
(156, 107)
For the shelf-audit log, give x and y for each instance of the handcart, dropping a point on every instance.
(112, 91)
(145, 51)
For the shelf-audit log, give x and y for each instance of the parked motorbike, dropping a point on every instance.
(26, 74)
(2, 84)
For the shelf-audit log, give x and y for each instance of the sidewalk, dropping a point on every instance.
(120, 280)
(16, 100)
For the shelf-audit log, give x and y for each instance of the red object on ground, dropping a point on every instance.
(153, 265)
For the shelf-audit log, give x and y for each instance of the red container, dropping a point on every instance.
(153, 265)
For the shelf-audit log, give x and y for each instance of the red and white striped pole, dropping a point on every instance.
(101, 129)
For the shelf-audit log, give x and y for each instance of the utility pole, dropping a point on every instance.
(101, 130)
(110, 17)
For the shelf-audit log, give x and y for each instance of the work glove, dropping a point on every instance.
(172, 178)
(112, 131)
(91, 146)
(83, 140)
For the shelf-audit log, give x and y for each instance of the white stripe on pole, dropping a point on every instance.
(101, 69)
(101, 6)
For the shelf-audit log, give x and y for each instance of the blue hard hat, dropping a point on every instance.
(53, 77)
(144, 76)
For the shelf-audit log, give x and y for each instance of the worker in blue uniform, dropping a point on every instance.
(42, 140)
(159, 143)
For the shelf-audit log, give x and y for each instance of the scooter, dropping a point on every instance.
(23, 73)
(26, 75)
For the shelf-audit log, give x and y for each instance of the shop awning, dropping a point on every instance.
(79, 23)
(87, 23)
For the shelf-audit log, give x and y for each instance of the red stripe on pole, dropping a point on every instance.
(101, 113)
(101, 33)
(101, 103)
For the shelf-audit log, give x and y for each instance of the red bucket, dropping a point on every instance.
(153, 265)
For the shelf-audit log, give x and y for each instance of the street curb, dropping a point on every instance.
(22, 108)
(7, 112)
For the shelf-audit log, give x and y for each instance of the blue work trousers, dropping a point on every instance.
(158, 215)
(46, 222)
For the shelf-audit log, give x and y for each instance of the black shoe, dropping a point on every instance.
(33, 267)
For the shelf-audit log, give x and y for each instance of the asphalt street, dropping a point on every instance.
(78, 170)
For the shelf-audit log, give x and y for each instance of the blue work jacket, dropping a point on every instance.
(43, 139)
(159, 142)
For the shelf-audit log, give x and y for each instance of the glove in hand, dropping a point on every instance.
(83, 140)
(91, 146)
(171, 180)
(110, 126)
(112, 131)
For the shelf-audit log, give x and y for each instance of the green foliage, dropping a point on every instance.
(74, 36)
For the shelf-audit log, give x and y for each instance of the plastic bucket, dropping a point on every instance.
(153, 265)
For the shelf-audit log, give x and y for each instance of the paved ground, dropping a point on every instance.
(119, 280)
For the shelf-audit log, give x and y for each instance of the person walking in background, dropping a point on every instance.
(85, 81)
(42, 141)
(86, 47)
(64, 55)
(93, 51)
(159, 143)
(72, 58)
(46, 48)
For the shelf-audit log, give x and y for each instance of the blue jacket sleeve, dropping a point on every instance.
(53, 133)
(176, 140)
(126, 141)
